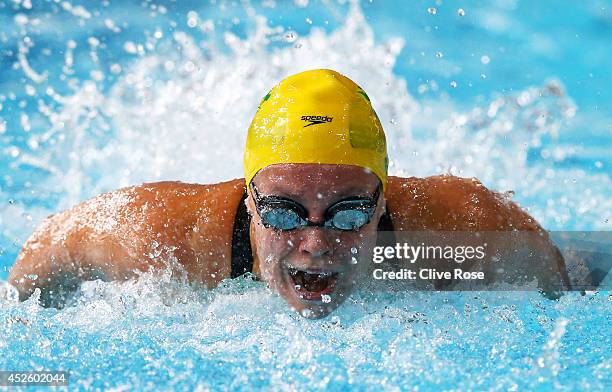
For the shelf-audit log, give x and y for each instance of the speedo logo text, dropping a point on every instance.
(313, 120)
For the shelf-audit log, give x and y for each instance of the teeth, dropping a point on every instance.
(309, 280)
(293, 271)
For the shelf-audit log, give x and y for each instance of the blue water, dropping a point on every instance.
(98, 95)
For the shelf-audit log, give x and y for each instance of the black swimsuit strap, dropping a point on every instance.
(385, 223)
(242, 258)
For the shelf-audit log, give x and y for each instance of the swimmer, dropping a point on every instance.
(315, 193)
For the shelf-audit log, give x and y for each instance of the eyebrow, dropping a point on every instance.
(344, 194)
(356, 192)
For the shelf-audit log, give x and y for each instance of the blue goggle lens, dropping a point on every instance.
(349, 219)
(282, 218)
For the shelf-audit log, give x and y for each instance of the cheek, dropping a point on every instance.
(357, 240)
(270, 243)
(271, 248)
(356, 245)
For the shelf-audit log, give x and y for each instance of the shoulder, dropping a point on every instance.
(446, 202)
(172, 190)
(196, 220)
(156, 199)
(207, 207)
(171, 209)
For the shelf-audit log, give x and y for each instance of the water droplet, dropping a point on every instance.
(110, 24)
(97, 75)
(21, 19)
(308, 20)
(461, 12)
(453, 84)
(354, 250)
(290, 36)
(326, 298)
(192, 19)
(432, 10)
(485, 59)
(354, 260)
(307, 313)
(190, 66)
(13, 152)
(439, 55)
(115, 68)
(130, 47)
(289, 242)
(483, 76)
(169, 65)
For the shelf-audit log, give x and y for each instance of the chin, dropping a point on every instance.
(315, 312)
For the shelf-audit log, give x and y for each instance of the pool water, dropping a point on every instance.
(99, 95)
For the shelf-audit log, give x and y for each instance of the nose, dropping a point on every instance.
(315, 242)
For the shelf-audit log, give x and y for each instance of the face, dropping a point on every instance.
(313, 268)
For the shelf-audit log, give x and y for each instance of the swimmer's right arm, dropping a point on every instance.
(59, 254)
(115, 235)
(99, 238)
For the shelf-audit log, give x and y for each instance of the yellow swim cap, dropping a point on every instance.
(316, 116)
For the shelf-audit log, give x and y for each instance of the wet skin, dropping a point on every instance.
(116, 235)
(316, 250)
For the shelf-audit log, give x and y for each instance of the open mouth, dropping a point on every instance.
(313, 285)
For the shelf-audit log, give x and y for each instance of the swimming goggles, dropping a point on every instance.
(285, 214)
